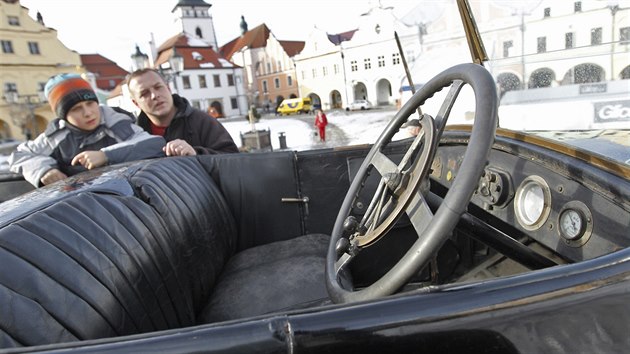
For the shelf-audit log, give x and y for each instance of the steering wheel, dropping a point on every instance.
(401, 186)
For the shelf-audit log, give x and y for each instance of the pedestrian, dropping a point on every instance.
(84, 136)
(321, 122)
(187, 130)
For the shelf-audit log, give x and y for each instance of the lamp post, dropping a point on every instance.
(613, 6)
(175, 66)
(22, 110)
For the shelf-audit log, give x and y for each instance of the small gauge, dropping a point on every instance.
(532, 203)
(572, 224)
(575, 223)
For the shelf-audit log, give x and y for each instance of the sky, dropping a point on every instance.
(112, 28)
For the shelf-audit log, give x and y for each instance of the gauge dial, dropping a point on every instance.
(532, 203)
(571, 224)
(575, 223)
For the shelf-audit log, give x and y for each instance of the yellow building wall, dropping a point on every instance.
(29, 71)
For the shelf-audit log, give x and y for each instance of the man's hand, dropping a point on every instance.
(52, 176)
(90, 159)
(178, 147)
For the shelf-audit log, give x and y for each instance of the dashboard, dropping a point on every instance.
(565, 204)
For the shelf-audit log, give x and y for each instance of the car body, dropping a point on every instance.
(359, 105)
(470, 237)
(294, 106)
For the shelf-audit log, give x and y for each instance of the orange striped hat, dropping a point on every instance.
(65, 90)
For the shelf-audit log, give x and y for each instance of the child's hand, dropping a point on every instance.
(52, 176)
(90, 159)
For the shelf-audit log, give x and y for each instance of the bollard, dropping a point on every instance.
(283, 140)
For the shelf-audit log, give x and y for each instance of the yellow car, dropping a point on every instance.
(294, 105)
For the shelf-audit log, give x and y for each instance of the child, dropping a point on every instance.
(84, 136)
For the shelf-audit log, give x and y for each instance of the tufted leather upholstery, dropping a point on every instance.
(98, 265)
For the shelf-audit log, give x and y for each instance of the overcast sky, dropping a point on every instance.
(113, 27)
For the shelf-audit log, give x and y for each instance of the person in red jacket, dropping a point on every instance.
(321, 122)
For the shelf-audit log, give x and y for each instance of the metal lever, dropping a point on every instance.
(298, 200)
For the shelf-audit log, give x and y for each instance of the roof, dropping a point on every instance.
(106, 71)
(292, 47)
(195, 3)
(336, 39)
(197, 54)
(254, 38)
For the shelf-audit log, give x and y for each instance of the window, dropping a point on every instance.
(13, 21)
(7, 46)
(624, 34)
(367, 64)
(186, 81)
(542, 45)
(577, 6)
(410, 56)
(217, 80)
(396, 58)
(314, 72)
(33, 48)
(568, 40)
(10, 87)
(506, 48)
(353, 65)
(279, 65)
(547, 12)
(324, 71)
(233, 103)
(336, 68)
(265, 89)
(381, 61)
(596, 36)
(268, 68)
(303, 75)
(276, 83)
(230, 78)
(289, 80)
(202, 81)
(42, 85)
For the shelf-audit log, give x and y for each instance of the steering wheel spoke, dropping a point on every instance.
(419, 214)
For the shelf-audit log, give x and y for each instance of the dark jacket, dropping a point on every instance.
(117, 136)
(203, 132)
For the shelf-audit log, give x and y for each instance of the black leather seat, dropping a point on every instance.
(103, 265)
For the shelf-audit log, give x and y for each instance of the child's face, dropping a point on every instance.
(84, 115)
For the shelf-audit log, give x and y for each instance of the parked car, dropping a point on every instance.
(294, 105)
(478, 235)
(359, 104)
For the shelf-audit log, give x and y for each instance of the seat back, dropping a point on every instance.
(101, 265)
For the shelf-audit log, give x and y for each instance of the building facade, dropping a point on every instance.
(268, 65)
(31, 54)
(361, 64)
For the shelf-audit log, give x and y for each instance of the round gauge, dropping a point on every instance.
(571, 224)
(575, 223)
(532, 203)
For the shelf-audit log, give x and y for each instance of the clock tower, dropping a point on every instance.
(193, 17)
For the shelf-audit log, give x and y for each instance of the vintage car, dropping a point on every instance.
(467, 238)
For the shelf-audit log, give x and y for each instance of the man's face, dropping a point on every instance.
(152, 95)
(85, 115)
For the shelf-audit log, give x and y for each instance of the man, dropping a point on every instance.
(187, 130)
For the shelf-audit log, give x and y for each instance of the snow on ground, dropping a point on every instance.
(344, 129)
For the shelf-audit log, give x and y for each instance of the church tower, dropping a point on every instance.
(193, 17)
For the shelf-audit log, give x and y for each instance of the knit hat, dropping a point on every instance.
(65, 90)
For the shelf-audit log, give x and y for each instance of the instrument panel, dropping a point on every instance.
(550, 201)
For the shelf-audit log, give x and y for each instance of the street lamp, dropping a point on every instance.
(139, 60)
(176, 66)
(22, 110)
